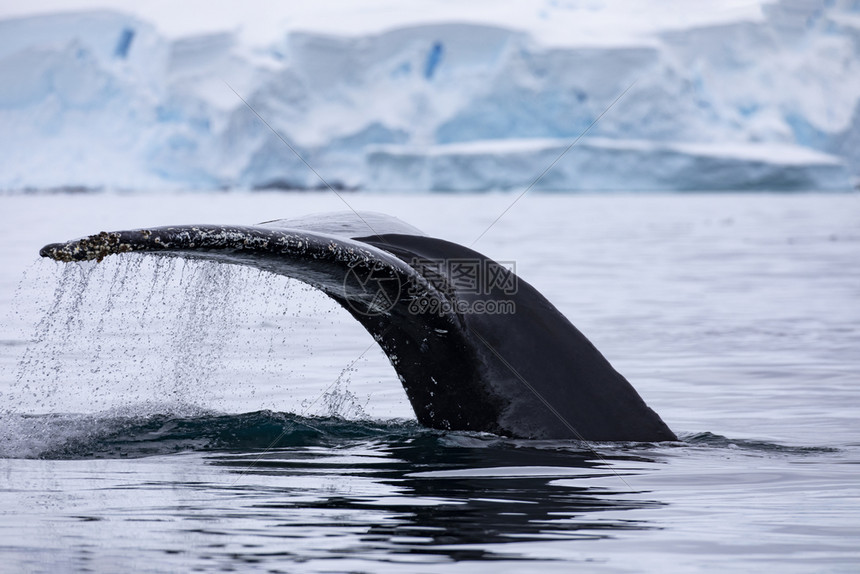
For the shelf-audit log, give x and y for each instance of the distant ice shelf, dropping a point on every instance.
(104, 100)
(600, 164)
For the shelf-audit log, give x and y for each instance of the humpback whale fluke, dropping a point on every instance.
(475, 347)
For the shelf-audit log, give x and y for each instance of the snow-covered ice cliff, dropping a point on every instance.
(105, 100)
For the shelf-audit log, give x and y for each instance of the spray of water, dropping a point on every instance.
(147, 335)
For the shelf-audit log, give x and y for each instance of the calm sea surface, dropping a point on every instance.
(158, 415)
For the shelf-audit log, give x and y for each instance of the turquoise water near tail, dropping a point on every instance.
(160, 415)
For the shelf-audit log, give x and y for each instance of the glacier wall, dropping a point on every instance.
(101, 100)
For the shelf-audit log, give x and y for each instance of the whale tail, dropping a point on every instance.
(475, 347)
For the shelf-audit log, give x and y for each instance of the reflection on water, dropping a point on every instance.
(365, 489)
(475, 495)
(270, 491)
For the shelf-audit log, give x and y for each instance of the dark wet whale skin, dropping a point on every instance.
(526, 374)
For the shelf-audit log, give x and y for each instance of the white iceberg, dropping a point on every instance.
(769, 100)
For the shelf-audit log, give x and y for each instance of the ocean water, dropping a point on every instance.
(158, 415)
